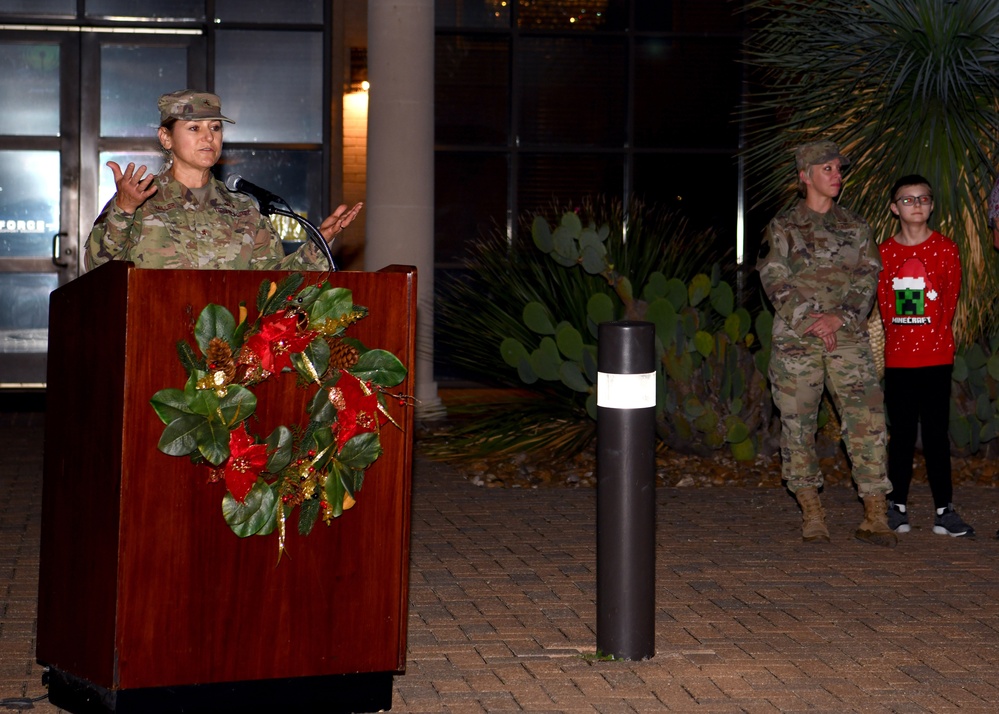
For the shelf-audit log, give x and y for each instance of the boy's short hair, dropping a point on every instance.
(910, 180)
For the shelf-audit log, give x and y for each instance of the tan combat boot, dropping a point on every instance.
(874, 528)
(813, 517)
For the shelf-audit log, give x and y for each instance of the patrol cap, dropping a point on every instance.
(818, 152)
(191, 105)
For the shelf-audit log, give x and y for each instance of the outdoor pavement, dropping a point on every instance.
(748, 618)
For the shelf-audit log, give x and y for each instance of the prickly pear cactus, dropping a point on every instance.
(711, 389)
(974, 418)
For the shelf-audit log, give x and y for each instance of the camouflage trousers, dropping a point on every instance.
(800, 369)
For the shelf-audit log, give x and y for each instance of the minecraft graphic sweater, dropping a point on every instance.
(917, 296)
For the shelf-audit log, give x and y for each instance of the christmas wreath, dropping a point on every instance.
(317, 466)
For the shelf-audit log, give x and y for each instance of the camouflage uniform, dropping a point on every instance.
(173, 229)
(828, 263)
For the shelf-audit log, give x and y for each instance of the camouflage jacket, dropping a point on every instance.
(814, 262)
(172, 229)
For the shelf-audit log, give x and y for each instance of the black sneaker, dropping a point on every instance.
(898, 520)
(949, 523)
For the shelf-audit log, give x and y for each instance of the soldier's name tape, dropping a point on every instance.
(626, 391)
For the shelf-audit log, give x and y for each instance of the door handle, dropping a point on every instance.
(57, 250)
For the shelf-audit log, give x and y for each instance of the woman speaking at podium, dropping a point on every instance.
(185, 218)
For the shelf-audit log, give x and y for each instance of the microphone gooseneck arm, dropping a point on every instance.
(269, 205)
(310, 230)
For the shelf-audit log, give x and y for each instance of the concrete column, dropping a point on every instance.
(400, 198)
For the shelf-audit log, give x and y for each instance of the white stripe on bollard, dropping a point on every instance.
(626, 391)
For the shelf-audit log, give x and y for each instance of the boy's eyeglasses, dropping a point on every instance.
(923, 200)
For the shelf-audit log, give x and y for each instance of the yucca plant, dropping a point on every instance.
(903, 86)
(483, 306)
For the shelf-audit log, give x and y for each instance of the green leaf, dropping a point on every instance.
(526, 372)
(332, 304)
(316, 353)
(594, 259)
(254, 514)
(545, 361)
(170, 404)
(180, 436)
(661, 313)
(676, 293)
(537, 319)
(735, 429)
(960, 372)
(213, 441)
(699, 289)
(379, 367)
(600, 308)
(571, 223)
(569, 341)
(237, 404)
(335, 489)
(572, 376)
(512, 351)
(320, 408)
(704, 343)
(566, 246)
(655, 287)
(723, 299)
(279, 449)
(975, 357)
(214, 321)
(360, 451)
(542, 235)
(743, 450)
(992, 366)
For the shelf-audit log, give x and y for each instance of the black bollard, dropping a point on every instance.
(626, 490)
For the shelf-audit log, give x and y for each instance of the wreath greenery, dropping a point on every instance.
(317, 466)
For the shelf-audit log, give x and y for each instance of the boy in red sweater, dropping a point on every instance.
(917, 296)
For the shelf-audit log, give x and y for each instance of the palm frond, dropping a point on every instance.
(903, 86)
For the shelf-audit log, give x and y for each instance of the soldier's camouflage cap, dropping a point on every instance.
(818, 152)
(191, 105)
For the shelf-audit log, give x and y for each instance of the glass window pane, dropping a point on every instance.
(688, 16)
(470, 198)
(29, 72)
(38, 7)
(29, 203)
(703, 187)
(664, 87)
(472, 13)
(567, 179)
(574, 90)
(147, 9)
(295, 176)
(25, 307)
(132, 79)
(299, 12)
(271, 84)
(582, 15)
(152, 160)
(472, 90)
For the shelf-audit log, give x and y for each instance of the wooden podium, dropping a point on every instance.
(148, 602)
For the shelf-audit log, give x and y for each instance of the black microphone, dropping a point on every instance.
(265, 198)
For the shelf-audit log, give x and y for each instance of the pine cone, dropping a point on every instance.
(342, 355)
(219, 357)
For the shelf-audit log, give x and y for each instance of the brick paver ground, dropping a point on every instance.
(748, 619)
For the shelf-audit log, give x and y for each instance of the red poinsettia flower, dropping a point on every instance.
(246, 460)
(356, 408)
(278, 338)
